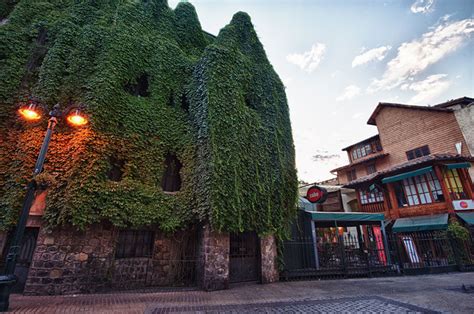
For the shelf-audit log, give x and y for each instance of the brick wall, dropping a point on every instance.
(405, 129)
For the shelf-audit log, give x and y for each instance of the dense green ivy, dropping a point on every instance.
(216, 103)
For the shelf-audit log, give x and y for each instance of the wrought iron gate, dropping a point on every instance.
(335, 254)
(25, 257)
(244, 257)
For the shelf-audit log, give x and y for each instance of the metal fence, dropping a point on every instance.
(346, 255)
(422, 252)
(352, 255)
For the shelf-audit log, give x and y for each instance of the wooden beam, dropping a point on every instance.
(466, 182)
(395, 212)
(447, 197)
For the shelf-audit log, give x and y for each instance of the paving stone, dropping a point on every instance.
(343, 305)
(427, 293)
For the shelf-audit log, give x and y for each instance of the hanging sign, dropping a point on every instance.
(463, 204)
(316, 194)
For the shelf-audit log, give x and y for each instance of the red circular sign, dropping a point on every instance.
(463, 204)
(316, 194)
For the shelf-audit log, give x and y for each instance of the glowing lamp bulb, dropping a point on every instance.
(77, 119)
(29, 113)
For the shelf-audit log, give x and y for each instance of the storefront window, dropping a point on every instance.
(419, 190)
(453, 182)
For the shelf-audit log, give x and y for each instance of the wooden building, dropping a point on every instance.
(417, 165)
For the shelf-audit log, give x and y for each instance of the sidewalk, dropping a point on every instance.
(439, 293)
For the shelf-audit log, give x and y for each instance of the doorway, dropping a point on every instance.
(244, 257)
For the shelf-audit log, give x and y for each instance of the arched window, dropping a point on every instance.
(171, 181)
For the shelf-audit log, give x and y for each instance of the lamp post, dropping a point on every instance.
(32, 112)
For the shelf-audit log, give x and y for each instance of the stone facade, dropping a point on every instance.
(269, 261)
(173, 263)
(69, 262)
(213, 273)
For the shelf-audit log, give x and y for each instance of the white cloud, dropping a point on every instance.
(429, 88)
(422, 6)
(308, 60)
(349, 92)
(357, 115)
(415, 56)
(335, 73)
(371, 55)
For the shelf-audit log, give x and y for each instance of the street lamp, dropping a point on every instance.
(32, 111)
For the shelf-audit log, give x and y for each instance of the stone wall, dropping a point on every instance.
(69, 262)
(173, 263)
(66, 261)
(269, 259)
(213, 272)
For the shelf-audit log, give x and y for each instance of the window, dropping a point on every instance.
(351, 175)
(371, 169)
(418, 152)
(419, 190)
(454, 184)
(134, 243)
(171, 181)
(139, 87)
(361, 151)
(115, 172)
(368, 197)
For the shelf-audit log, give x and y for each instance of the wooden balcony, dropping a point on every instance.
(372, 208)
(422, 210)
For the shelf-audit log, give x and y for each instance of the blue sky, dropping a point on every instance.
(338, 59)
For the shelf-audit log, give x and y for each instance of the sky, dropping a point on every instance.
(339, 59)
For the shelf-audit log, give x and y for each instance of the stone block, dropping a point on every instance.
(48, 240)
(56, 273)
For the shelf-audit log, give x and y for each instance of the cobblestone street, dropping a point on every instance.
(428, 293)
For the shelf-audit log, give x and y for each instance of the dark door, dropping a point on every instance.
(244, 257)
(28, 244)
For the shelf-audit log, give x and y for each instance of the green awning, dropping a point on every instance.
(458, 165)
(343, 216)
(405, 175)
(421, 223)
(467, 217)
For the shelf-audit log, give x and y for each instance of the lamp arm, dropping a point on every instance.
(44, 147)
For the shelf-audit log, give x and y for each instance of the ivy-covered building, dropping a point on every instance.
(185, 173)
